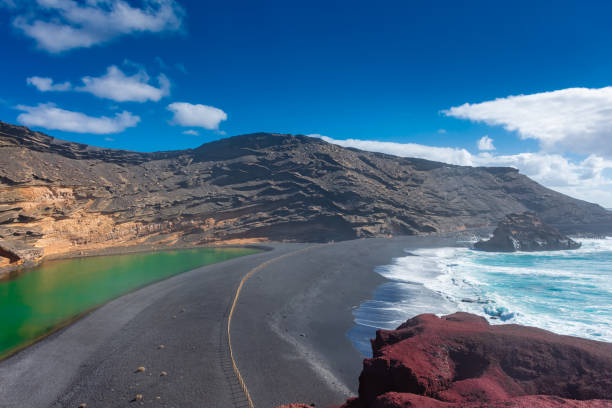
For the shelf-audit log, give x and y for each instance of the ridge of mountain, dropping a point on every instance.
(62, 198)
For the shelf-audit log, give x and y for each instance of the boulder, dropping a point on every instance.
(525, 232)
(461, 361)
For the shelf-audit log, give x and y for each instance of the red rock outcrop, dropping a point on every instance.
(461, 361)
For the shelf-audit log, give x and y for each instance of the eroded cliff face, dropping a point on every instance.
(38, 222)
(461, 361)
(59, 198)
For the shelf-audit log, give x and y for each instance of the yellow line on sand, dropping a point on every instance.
(233, 308)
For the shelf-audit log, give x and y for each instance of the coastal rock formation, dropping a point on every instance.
(398, 400)
(461, 361)
(59, 198)
(525, 232)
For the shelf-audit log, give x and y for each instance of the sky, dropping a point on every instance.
(484, 83)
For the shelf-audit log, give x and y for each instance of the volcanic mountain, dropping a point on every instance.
(60, 198)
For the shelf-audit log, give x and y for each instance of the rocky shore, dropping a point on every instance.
(288, 334)
(461, 361)
(526, 232)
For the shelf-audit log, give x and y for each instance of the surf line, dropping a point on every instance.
(245, 278)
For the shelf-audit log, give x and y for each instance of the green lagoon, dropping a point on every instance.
(44, 298)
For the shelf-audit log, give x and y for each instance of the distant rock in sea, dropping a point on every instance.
(68, 199)
(525, 232)
(460, 361)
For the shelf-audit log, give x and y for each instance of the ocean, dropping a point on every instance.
(566, 292)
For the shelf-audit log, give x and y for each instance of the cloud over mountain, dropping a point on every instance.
(575, 120)
(49, 116)
(589, 179)
(114, 85)
(196, 115)
(119, 87)
(485, 143)
(442, 154)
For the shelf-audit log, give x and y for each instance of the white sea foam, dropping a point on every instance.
(567, 292)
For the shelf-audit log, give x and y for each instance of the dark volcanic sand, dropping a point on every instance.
(289, 335)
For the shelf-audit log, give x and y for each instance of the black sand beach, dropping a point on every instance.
(288, 334)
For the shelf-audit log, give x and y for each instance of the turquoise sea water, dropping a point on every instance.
(566, 292)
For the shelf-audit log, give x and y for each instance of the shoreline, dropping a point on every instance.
(68, 364)
(302, 344)
(77, 317)
(311, 294)
(122, 250)
(494, 285)
(11, 271)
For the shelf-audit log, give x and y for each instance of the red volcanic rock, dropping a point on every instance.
(397, 400)
(461, 361)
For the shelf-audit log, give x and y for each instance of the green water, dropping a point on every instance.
(40, 300)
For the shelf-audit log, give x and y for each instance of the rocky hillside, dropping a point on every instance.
(60, 198)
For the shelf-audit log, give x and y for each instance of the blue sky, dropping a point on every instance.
(394, 77)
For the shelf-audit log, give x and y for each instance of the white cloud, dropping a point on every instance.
(441, 131)
(187, 114)
(586, 179)
(46, 84)
(60, 25)
(191, 132)
(119, 87)
(49, 116)
(574, 120)
(442, 154)
(485, 143)
(552, 170)
(114, 85)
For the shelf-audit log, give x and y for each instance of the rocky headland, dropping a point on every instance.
(461, 361)
(63, 199)
(526, 232)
